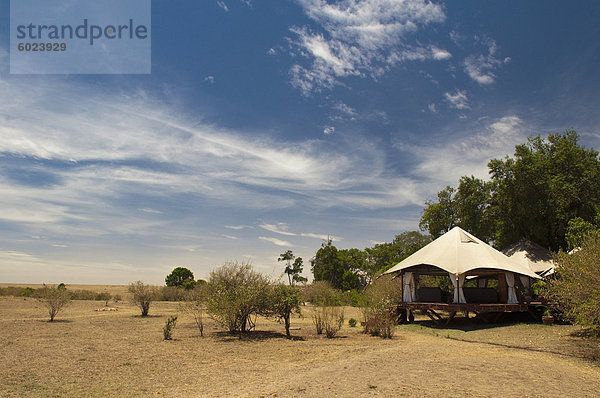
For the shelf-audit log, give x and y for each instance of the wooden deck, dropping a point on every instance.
(429, 309)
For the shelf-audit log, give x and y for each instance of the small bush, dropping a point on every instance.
(333, 319)
(352, 322)
(318, 321)
(380, 297)
(143, 295)
(195, 304)
(169, 326)
(117, 298)
(104, 296)
(54, 298)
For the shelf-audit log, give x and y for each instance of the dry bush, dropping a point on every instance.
(143, 295)
(574, 287)
(333, 320)
(237, 292)
(379, 299)
(195, 305)
(54, 298)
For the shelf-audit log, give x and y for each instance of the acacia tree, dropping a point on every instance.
(143, 295)
(180, 276)
(282, 303)
(54, 298)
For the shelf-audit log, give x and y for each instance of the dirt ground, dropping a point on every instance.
(85, 353)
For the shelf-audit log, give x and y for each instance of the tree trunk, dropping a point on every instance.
(287, 326)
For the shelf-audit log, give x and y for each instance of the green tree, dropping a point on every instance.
(578, 230)
(293, 270)
(282, 303)
(383, 256)
(548, 183)
(575, 285)
(534, 195)
(440, 216)
(326, 265)
(180, 276)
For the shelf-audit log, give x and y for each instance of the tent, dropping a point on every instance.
(460, 255)
(536, 257)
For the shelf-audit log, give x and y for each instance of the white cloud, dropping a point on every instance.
(237, 227)
(230, 237)
(322, 236)
(458, 99)
(279, 228)
(329, 130)
(362, 38)
(481, 67)
(465, 153)
(276, 241)
(210, 79)
(432, 108)
(223, 5)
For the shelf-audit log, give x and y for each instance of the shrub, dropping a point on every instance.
(171, 293)
(574, 287)
(195, 304)
(380, 297)
(352, 322)
(104, 296)
(236, 293)
(333, 319)
(169, 326)
(143, 295)
(282, 302)
(54, 298)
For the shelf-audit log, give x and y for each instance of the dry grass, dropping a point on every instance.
(116, 354)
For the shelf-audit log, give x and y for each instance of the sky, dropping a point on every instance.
(267, 126)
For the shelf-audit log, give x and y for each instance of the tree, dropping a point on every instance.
(383, 256)
(236, 293)
(143, 295)
(575, 285)
(293, 270)
(180, 276)
(54, 298)
(533, 195)
(440, 217)
(326, 265)
(283, 302)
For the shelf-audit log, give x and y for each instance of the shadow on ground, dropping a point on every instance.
(256, 335)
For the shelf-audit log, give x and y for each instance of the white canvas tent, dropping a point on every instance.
(461, 254)
(536, 257)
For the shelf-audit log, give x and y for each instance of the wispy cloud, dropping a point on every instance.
(223, 5)
(360, 38)
(481, 67)
(237, 227)
(322, 236)
(458, 99)
(279, 228)
(467, 153)
(276, 241)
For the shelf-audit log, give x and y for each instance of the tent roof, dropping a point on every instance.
(536, 257)
(458, 252)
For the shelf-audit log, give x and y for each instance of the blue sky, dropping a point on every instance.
(269, 125)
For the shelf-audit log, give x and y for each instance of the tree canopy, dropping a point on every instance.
(180, 276)
(353, 268)
(534, 195)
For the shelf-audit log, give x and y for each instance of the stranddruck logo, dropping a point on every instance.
(81, 37)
